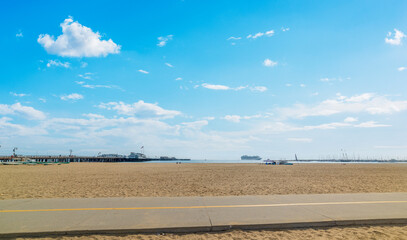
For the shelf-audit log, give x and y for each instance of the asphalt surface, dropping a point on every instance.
(46, 217)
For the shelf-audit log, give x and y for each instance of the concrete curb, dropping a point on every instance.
(276, 226)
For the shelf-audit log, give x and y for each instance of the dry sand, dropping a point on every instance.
(79, 180)
(367, 232)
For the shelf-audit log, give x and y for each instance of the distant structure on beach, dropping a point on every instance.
(134, 155)
(245, 157)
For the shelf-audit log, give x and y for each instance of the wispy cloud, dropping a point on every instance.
(215, 87)
(400, 69)
(87, 76)
(140, 109)
(19, 34)
(178, 79)
(350, 119)
(72, 97)
(25, 111)
(285, 29)
(238, 118)
(18, 94)
(143, 71)
(221, 87)
(268, 63)
(234, 38)
(258, 89)
(162, 41)
(57, 63)
(92, 86)
(77, 41)
(261, 34)
(368, 102)
(169, 65)
(397, 37)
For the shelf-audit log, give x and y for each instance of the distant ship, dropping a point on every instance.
(245, 157)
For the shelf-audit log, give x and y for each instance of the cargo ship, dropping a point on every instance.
(245, 157)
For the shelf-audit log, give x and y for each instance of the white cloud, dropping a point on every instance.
(269, 33)
(196, 124)
(350, 119)
(93, 115)
(397, 37)
(19, 34)
(178, 79)
(306, 140)
(259, 89)
(77, 41)
(87, 76)
(288, 84)
(84, 64)
(254, 36)
(72, 96)
(58, 63)
(401, 68)
(367, 102)
(8, 129)
(42, 100)
(17, 108)
(237, 118)
(221, 87)
(162, 41)
(261, 34)
(239, 88)
(302, 85)
(234, 38)
(285, 29)
(143, 71)
(169, 65)
(268, 63)
(232, 118)
(83, 84)
(215, 87)
(18, 94)
(140, 109)
(371, 124)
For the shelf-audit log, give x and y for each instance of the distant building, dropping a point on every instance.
(137, 155)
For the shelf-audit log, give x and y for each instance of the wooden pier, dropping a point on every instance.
(68, 159)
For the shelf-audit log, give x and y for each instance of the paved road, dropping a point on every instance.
(38, 217)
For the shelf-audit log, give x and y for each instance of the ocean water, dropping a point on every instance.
(262, 161)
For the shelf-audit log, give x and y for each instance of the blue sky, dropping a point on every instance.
(204, 79)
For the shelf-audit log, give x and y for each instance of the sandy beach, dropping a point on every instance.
(365, 232)
(88, 180)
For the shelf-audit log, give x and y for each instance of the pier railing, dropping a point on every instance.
(66, 159)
